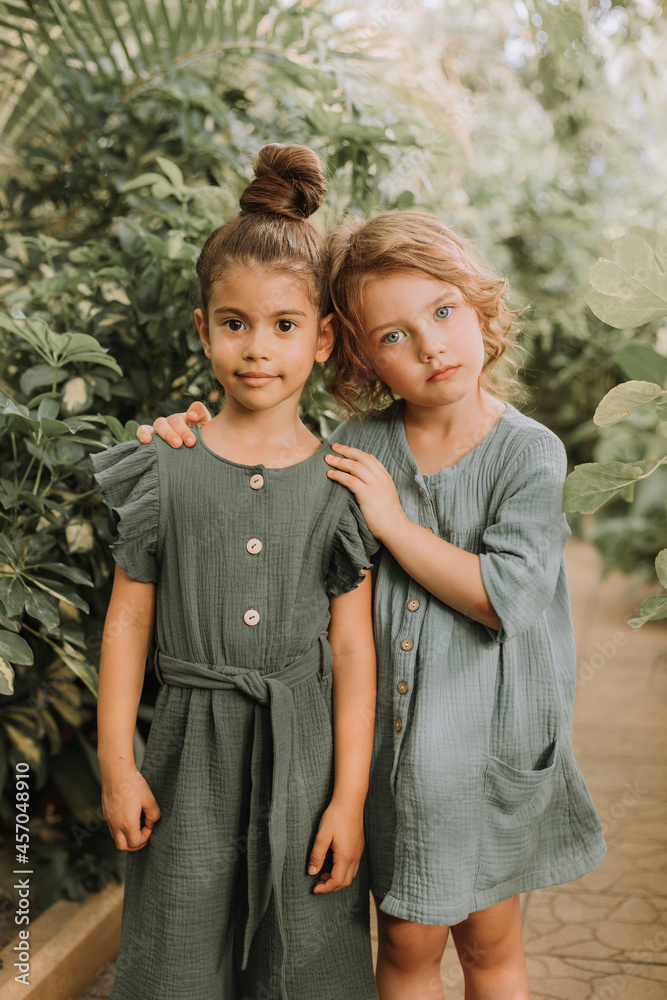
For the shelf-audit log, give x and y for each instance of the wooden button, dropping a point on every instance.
(254, 546)
(256, 482)
(413, 605)
(407, 645)
(251, 617)
(429, 529)
(402, 687)
(421, 492)
(399, 725)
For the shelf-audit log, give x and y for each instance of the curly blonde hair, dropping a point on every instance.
(394, 242)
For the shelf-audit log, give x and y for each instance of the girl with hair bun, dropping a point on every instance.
(475, 795)
(245, 877)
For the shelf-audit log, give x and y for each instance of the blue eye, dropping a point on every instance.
(443, 312)
(393, 337)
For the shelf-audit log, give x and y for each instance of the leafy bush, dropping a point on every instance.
(631, 291)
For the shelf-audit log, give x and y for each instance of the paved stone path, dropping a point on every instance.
(603, 937)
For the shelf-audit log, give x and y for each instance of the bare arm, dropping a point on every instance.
(451, 574)
(128, 629)
(175, 429)
(354, 685)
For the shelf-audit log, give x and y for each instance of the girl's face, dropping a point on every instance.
(422, 339)
(263, 336)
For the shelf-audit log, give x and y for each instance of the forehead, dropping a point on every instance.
(405, 290)
(258, 289)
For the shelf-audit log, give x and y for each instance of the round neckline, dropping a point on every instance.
(241, 465)
(404, 447)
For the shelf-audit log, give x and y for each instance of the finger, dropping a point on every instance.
(134, 834)
(152, 814)
(350, 465)
(319, 852)
(322, 885)
(357, 453)
(163, 429)
(353, 484)
(145, 433)
(197, 414)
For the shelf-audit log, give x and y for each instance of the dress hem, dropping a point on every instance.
(541, 879)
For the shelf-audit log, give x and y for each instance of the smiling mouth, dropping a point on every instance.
(443, 373)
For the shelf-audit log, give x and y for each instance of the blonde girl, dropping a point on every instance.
(252, 570)
(475, 795)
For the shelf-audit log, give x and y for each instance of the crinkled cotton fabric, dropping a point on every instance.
(475, 792)
(189, 521)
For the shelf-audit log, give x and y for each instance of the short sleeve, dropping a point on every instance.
(522, 550)
(352, 542)
(127, 476)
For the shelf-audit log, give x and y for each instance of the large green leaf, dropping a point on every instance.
(652, 609)
(623, 400)
(592, 484)
(14, 648)
(632, 290)
(661, 566)
(642, 362)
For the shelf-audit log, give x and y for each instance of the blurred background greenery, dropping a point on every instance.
(128, 129)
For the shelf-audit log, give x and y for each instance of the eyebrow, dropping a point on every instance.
(438, 298)
(240, 312)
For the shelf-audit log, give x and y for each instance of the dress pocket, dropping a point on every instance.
(514, 839)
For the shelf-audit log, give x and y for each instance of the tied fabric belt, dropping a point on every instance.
(270, 763)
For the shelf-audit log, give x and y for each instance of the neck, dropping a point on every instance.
(454, 418)
(275, 437)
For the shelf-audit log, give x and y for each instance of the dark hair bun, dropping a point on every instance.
(289, 181)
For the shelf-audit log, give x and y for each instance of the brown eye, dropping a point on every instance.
(235, 325)
(285, 325)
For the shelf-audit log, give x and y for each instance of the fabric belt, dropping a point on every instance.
(270, 762)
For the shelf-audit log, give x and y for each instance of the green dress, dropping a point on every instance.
(219, 905)
(475, 794)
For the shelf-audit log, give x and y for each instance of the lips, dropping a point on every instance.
(256, 378)
(443, 373)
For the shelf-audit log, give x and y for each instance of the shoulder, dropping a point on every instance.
(521, 437)
(372, 426)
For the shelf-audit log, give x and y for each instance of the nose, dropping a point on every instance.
(430, 343)
(256, 343)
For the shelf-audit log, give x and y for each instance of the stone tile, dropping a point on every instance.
(574, 979)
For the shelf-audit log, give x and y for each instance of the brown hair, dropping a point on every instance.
(394, 242)
(272, 229)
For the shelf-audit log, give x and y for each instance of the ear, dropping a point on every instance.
(202, 327)
(326, 337)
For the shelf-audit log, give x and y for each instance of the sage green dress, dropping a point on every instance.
(475, 794)
(219, 905)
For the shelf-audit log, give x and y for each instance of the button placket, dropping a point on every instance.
(254, 546)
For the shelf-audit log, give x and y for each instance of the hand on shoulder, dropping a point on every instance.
(175, 429)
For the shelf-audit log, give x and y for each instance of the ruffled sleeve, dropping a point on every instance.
(352, 542)
(127, 476)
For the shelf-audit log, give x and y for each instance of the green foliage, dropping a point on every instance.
(630, 288)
